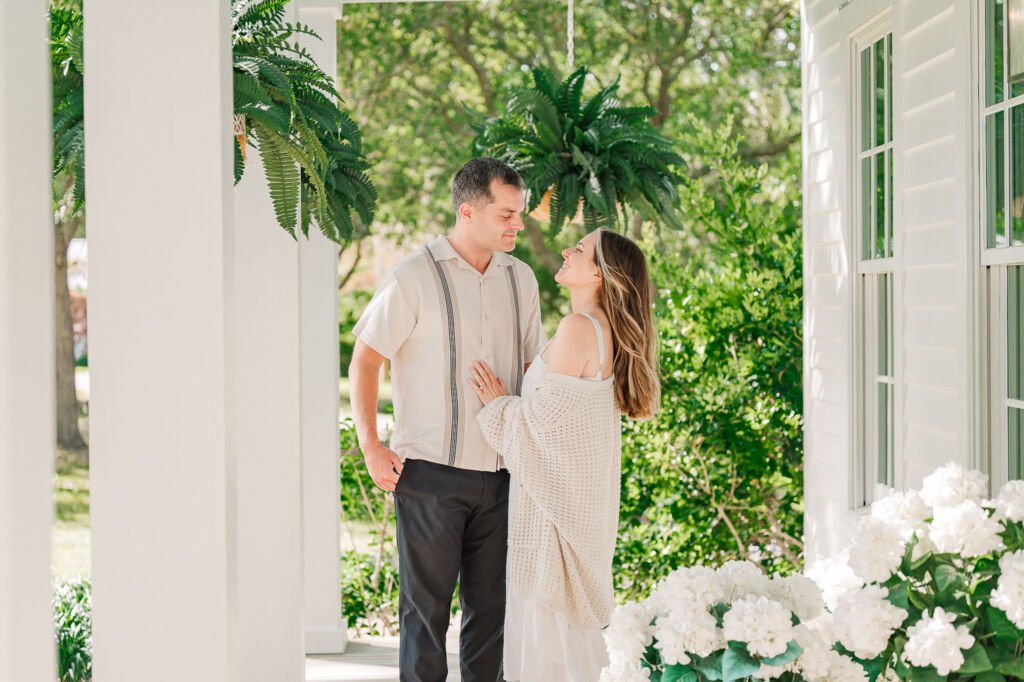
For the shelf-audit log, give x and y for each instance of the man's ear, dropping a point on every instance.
(466, 212)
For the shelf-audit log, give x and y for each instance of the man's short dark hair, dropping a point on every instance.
(472, 182)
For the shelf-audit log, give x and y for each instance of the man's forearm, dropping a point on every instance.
(364, 387)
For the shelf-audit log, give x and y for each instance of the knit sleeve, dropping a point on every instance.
(513, 424)
(556, 444)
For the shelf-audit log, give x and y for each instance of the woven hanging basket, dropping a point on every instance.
(543, 210)
(238, 124)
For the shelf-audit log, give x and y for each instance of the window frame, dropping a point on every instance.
(868, 271)
(993, 264)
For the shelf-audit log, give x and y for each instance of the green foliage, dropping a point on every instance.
(311, 150)
(369, 580)
(719, 469)
(592, 151)
(413, 72)
(72, 623)
(369, 592)
(733, 662)
(68, 125)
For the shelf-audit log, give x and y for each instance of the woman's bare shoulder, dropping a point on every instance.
(575, 327)
(572, 345)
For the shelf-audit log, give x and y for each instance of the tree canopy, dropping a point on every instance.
(413, 72)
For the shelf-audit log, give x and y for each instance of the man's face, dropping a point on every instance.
(494, 227)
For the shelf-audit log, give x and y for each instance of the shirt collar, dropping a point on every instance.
(443, 250)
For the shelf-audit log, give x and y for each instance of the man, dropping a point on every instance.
(459, 299)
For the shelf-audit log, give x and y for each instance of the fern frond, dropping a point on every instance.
(282, 175)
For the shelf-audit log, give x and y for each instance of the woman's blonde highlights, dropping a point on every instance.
(626, 296)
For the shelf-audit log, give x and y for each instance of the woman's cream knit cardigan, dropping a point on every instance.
(561, 444)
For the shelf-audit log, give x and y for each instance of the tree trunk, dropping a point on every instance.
(551, 260)
(68, 435)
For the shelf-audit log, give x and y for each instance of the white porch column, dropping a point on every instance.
(161, 338)
(267, 430)
(27, 433)
(325, 627)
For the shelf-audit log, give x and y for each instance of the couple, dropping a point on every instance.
(505, 450)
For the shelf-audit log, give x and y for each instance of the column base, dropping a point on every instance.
(327, 640)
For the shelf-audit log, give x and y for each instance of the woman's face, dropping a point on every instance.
(579, 267)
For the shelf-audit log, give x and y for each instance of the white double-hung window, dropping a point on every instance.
(1002, 238)
(873, 194)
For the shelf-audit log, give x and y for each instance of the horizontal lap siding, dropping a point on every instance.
(827, 328)
(931, 125)
(931, 50)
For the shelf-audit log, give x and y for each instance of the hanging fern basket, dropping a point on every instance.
(238, 125)
(543, 210)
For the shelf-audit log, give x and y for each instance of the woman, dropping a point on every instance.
(561, 444)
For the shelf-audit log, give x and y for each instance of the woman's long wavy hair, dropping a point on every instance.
(626, 296)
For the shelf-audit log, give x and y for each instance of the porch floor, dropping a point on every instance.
(372, 659)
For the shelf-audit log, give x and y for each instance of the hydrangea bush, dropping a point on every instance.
(730, 623)
(934, 588)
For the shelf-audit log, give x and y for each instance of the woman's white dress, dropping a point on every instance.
(541, 645)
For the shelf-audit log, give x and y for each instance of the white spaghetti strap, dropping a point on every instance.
(600, 345)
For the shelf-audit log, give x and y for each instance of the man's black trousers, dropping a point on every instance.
(452, 525)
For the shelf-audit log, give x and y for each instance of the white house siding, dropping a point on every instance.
(934, 87)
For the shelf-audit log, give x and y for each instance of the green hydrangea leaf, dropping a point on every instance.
(792, 651)
(679, 673)
(737, 662)
(975, 660)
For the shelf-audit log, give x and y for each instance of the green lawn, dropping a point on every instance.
(71, 537)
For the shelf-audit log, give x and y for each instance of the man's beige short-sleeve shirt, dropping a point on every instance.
(432, 316)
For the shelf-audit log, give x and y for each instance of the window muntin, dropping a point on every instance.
(1002, 253)
(876, 149)
(876, 383)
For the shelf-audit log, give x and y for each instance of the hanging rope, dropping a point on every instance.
(570, 43)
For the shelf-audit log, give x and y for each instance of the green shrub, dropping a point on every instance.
(72, 624)
(369, 591)
(717, 474)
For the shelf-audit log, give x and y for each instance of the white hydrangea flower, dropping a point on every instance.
(686, 631)
(799, 594)
(629, 633)
(843, 669)
(814, 663)
(924, 544)
(764, 624)
(865, 620)
(695, 585)
(935, 641)
(877, 549)
(951, 484)
(1009, 592)
(823, 625)
(965, 529)
(742, 579)
(834, 576)
(1010, 502)
(624, 672)
(907, 510)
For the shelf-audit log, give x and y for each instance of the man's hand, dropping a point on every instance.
(487, 386)
(384, 465)
(364, 378)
